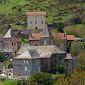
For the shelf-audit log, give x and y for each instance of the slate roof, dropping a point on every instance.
(36, 13)
(46, 32)
(26, 32)
(38, 51)
(69, 56)
(8, 34)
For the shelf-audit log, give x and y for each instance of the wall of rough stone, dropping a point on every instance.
(34, 43)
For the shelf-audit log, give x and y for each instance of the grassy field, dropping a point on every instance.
(57, 12)
(6, 8)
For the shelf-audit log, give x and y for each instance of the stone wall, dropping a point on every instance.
(35, 43)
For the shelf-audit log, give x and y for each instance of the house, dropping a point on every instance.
(10, 44)
(40, 39)
(33, 59)
(36, 20)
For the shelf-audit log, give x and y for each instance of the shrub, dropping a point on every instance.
(41, 79)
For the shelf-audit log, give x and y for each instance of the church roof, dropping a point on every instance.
(8, 34)
(39, 51)
(25, 55)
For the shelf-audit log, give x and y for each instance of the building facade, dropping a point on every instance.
(10, 45)
(36, 20)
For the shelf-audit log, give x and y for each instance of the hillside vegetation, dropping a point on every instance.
(66, 12)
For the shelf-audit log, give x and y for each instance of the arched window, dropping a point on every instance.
(45, 42)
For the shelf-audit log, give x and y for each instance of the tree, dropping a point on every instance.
(81, 61)
(57, 38)
(1, 57)
(75, 78)
(76, 47)
(35, 31)
(41, 79)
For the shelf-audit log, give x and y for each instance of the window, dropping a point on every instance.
(45, 42)
(13, 49)
(30, 27)
(35, 22)
(51, 42)
(30, 22)
(12, 44)
(25, 68)
(42, 17)
(42, 22)
(35, 17)
(35, 27)
(29, 72)
(6, 49)
(39, 68)
(25, 61)
(55, 60)
(30, 17)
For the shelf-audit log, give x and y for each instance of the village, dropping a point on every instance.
(40, 54)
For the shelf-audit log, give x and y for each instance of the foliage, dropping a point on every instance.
(1, 57)
(11, 82)
(75, 78)
(59, 12)
(78, 32)
(57, 38)
(24, 41)
(76, 47)
(41, 79)
(81, 61)
(35, 31)
(59, 69)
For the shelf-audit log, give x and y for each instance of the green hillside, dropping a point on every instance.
(58, 11)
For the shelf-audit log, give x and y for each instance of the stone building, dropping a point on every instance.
(10, 44)
(36, 20)
(40, 39)
(32, 59)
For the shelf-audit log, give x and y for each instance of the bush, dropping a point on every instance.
(41, 79)
(59, 69)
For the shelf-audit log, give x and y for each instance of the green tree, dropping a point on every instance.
(35, 31)
(41, 79)
(76, 47)
(1, 57)
(81, 61)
